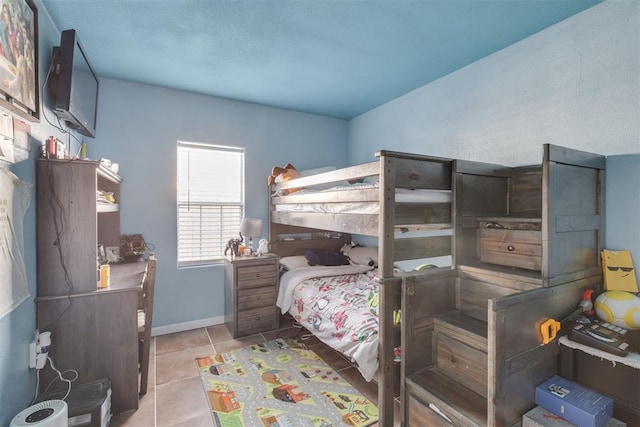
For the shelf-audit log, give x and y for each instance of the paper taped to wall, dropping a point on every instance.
(15, 196)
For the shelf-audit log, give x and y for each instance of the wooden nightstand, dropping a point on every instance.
(250, 292)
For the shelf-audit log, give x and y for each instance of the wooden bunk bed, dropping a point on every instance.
(390, 223)
(524, 245)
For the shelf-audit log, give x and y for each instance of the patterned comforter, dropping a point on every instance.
(341, 310)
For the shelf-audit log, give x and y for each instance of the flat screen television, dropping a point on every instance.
(76, 85)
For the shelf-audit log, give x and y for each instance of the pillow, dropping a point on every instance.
(293, 262)
(325, 257)
(373, 179)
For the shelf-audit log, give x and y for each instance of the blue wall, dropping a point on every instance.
(622, 191)
(139, 127)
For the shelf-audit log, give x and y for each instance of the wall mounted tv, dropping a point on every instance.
(75, 85)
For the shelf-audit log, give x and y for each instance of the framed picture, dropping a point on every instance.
(19, 86)
(61, 149)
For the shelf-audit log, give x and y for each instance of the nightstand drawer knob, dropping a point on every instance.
(258, 275)
(511, 248)
(257, 317)
(258, 297)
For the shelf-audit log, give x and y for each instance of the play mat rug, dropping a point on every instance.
(280, 383)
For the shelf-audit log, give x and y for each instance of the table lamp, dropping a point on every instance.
(251, 227)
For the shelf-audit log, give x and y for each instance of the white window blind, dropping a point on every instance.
(210, 200)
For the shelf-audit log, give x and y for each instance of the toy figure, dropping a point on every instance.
(279, 175)
(361, 255)
(263, 247)
(233, 245)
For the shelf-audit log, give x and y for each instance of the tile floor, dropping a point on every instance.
(175, 396)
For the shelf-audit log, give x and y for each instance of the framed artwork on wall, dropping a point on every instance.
(19, 87)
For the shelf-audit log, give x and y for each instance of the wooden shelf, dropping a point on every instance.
(108, 207)
(108, 174)
(75, 184)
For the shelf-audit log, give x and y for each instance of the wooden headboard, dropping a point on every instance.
(299, 239)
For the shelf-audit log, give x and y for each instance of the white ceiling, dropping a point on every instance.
(338, 58)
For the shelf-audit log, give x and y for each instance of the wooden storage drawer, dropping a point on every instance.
(257, 276)
(511, 242)
(253, 321)
(436, 400)
(420, 415)
(462, 363)
(249, 299)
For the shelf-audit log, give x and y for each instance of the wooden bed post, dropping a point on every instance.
(386, 290)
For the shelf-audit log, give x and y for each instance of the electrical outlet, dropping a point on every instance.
(39, 349)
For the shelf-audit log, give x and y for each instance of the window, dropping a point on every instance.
(210, 200)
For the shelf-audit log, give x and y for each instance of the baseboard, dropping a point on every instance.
(187, 326)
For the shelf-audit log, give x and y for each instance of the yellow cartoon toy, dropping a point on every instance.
(620, 308)
(619, 274)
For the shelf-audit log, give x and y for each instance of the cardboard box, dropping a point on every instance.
(618, 271)
(540, 417)
(574, 403)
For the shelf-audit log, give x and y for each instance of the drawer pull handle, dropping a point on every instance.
(258, 297)
(493, 225)
(258, 275)
(511, 248)
(437, 410)
(257, 317)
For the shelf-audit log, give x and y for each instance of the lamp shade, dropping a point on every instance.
(251, 227)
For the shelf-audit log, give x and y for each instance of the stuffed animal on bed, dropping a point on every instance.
(279, 175)
(361, 255)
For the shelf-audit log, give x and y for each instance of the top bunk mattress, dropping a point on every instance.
(402, 195)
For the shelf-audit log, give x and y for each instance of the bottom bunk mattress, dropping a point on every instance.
(339, 305)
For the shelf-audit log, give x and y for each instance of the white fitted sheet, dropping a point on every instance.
(403, 195)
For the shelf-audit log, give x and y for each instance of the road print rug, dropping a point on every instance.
(280, 383)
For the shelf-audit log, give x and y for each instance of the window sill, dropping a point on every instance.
(198, 264)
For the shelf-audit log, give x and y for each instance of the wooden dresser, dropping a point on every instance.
(251, 289)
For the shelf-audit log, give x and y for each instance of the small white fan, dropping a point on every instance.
(50, 413)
